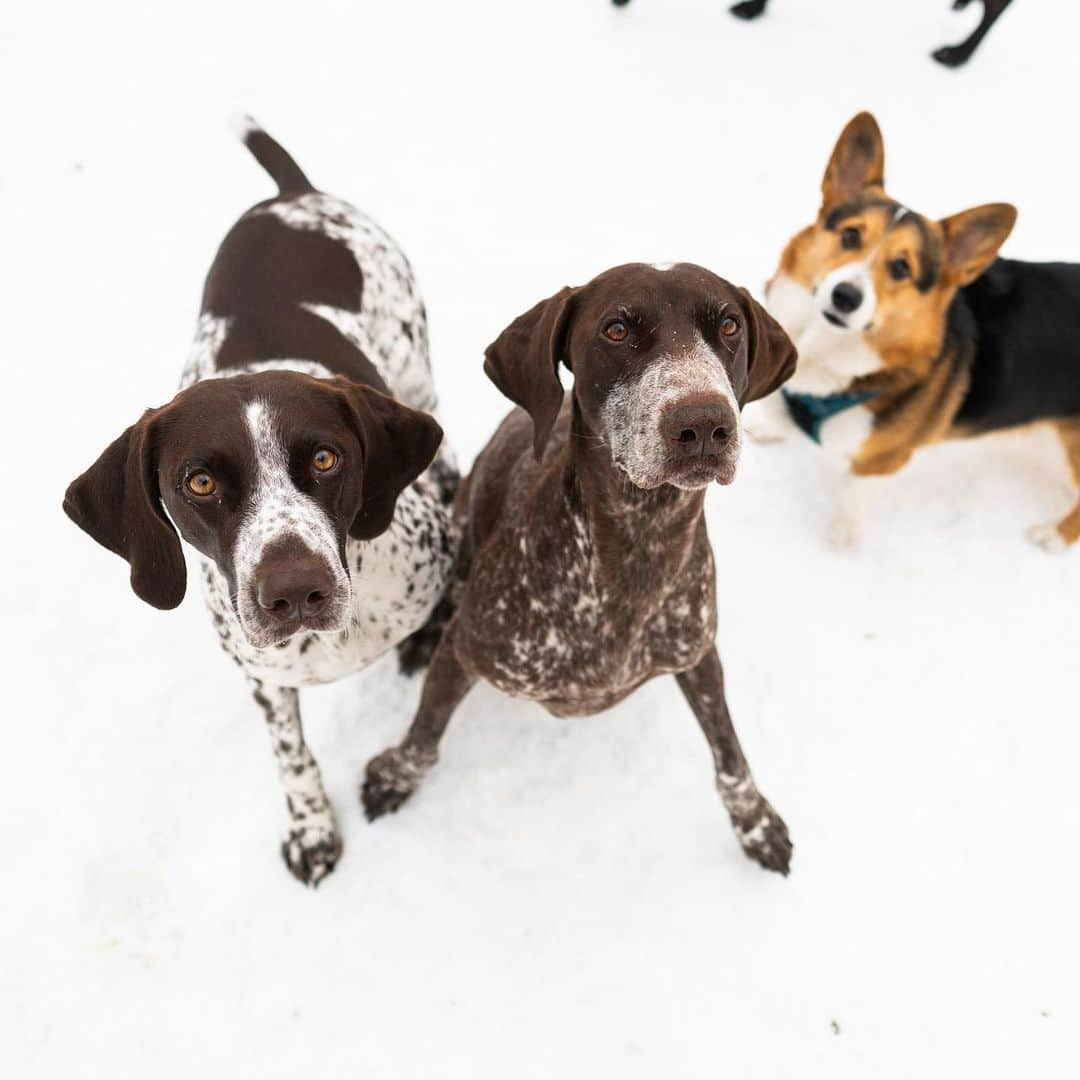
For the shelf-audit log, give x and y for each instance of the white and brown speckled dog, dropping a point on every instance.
(298, 460)
(585, 562)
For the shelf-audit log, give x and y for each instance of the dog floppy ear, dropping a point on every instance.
(770, 355)
(118, 502)
(523, 362)
(972, 239)
(857, 162)
(398, 444)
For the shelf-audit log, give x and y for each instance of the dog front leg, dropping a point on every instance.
(955, 55)
(760, 829)
(852, 508)
(310, 844)
(396, 773)
(1059, 536)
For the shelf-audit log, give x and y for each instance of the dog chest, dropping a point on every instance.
(555, 630)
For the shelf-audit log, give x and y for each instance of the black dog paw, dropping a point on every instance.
(748, 9)
(952, 55)
(390, 779)
(311, 852)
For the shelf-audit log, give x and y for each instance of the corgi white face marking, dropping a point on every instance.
(845, 298)
(829, 357)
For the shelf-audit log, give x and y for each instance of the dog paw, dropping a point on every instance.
(748, 9)
(1048, 537)
(391, 778)
(764, 838)
(311, 852)
(843, 532)
(952, 55)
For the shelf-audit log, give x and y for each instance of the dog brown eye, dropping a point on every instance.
(201, 483)
(899, 269)
(616, 331)
(324, 459)
(728, 326)
(850, 239)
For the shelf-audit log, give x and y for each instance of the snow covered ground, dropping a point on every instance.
(565, 897)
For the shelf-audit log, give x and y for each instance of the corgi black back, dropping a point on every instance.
(1024, 322)
(916, 331)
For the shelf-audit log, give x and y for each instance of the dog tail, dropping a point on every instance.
(273, 157)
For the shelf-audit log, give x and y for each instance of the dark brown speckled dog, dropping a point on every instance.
(586, 568)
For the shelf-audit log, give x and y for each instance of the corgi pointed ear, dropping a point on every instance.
(972, 239)
(857, 162)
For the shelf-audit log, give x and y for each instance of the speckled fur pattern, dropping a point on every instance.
(554, 621)
(586, 566)
(395, 580)
(574, 604)
(388, 586)
(301, 459)
(310, 845)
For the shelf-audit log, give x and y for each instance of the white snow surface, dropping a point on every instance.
(563, 897)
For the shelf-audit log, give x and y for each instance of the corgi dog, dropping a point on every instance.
(911, 330)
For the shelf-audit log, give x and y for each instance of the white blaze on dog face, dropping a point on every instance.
(280, 516)
(830, 357)
(845, 297)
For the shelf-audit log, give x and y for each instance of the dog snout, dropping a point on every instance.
(294, 589)
(847, 297)
(698, 428)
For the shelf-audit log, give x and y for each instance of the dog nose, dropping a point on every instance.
(846, 297)
(699, 427)
(297, 589)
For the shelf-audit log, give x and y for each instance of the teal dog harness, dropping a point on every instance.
(809, 411)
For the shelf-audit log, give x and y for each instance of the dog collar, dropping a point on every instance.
(810, 411)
